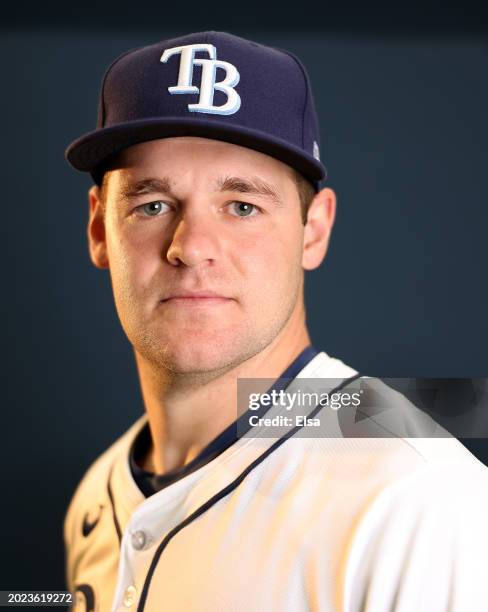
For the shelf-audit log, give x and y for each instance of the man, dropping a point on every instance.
(206, 210)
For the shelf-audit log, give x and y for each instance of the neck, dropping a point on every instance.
(186, 412)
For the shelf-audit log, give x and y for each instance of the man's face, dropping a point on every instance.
(191, 217)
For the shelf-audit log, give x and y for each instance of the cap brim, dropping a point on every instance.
(89, 151)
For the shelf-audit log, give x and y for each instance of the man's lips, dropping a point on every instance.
(196, 298)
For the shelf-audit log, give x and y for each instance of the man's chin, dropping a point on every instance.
(197, 356)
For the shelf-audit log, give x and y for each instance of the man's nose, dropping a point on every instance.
(194, 242)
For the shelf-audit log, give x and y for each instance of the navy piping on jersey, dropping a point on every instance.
(150, 483)
(87, 591)
(112, 503)
(218, 496)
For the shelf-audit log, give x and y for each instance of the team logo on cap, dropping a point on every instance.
(208, 84)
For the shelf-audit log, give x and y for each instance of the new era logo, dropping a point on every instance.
(316, 151)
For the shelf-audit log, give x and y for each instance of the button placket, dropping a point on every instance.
(130, 596)
(139, 539)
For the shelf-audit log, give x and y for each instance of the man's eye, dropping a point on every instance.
(243, 209)
(153, 209)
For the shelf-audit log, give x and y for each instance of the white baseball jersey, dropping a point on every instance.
(323, 524)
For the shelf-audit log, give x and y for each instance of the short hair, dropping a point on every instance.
(306, 191)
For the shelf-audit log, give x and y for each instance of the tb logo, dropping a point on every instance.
(208, 84)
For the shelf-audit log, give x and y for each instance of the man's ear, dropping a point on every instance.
(96, 229)
(320, 219)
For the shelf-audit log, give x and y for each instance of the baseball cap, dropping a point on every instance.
(209, 84)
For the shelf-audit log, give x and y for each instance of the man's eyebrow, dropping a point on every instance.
(251, 185)
(254, 185)
(146, 185)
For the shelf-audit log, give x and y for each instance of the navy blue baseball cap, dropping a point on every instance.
(208, 84)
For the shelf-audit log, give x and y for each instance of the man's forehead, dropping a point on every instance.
(195, 148)
(215, 164)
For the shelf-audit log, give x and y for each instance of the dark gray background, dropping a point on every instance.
(402, 292)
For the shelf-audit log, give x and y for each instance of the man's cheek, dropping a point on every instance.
(269, 280)
(133, 260)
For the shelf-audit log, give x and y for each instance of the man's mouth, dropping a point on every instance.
(196, 298)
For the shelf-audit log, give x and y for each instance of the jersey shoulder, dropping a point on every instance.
(93, 484)
(421, 543)
(384, 425)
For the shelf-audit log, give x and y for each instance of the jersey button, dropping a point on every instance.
(138, 540)
(130, 596)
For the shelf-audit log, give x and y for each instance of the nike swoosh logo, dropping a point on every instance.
(88, 526)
